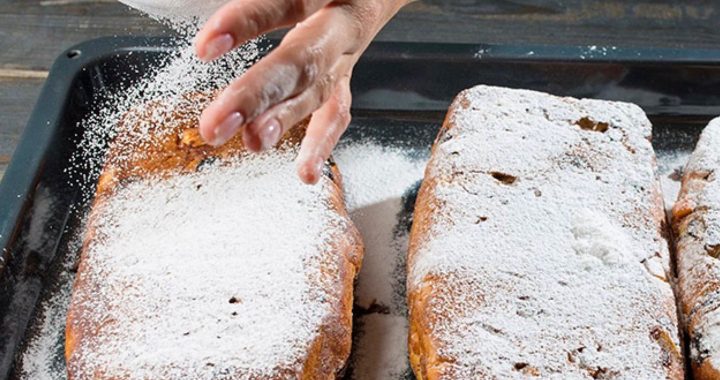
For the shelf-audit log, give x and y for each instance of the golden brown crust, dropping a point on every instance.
(693, 218)
(425, 360)
(183, 151)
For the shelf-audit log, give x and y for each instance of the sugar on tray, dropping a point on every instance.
(376, 179)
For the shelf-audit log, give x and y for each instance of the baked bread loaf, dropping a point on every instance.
(537, 245)
(696, 222)
(210, 263)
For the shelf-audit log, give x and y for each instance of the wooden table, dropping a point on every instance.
(34, 32)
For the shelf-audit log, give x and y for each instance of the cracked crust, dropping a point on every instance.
(440, 347)
(696, 221)
(181, 152)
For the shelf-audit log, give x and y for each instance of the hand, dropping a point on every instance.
(308, 73)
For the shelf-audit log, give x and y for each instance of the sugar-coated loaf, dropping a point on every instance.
(696, 221)
(210, 263)
(537, 247)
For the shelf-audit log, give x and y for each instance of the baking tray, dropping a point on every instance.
(401, 92)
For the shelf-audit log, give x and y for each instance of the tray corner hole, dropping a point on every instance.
(73, 54)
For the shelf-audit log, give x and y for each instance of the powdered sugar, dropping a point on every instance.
(376, 179)
(523, 183)
(597, 240)
(181, 282)
(169, 79)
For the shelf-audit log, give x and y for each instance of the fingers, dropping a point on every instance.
(304, 58)
(326, 127)
(265, 131)
(241, 20)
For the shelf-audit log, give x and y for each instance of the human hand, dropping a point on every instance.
(308, 73)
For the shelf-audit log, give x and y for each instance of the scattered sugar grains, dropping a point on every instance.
(375, 179)
(232, 282)
(566, 302)
(671, 165)
(43, 358)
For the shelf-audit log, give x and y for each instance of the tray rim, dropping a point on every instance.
(23, 171)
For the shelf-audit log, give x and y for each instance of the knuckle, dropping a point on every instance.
(271, 93)
(344, 117)
(305, 62)
(344, 96)
(309, 65)
(258, 100)
(253, 25)
(325, 88)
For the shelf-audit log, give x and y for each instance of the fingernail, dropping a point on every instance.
(270, 134)
(227, 129)
(217, 46)
(311, 170)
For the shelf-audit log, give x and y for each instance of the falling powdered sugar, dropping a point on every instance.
(169, 80)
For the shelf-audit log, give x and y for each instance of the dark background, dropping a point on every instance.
(34, 32)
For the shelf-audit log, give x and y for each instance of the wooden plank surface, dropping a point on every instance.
(34, 32)
(18, 92)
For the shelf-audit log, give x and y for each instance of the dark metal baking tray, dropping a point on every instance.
(401, 92)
